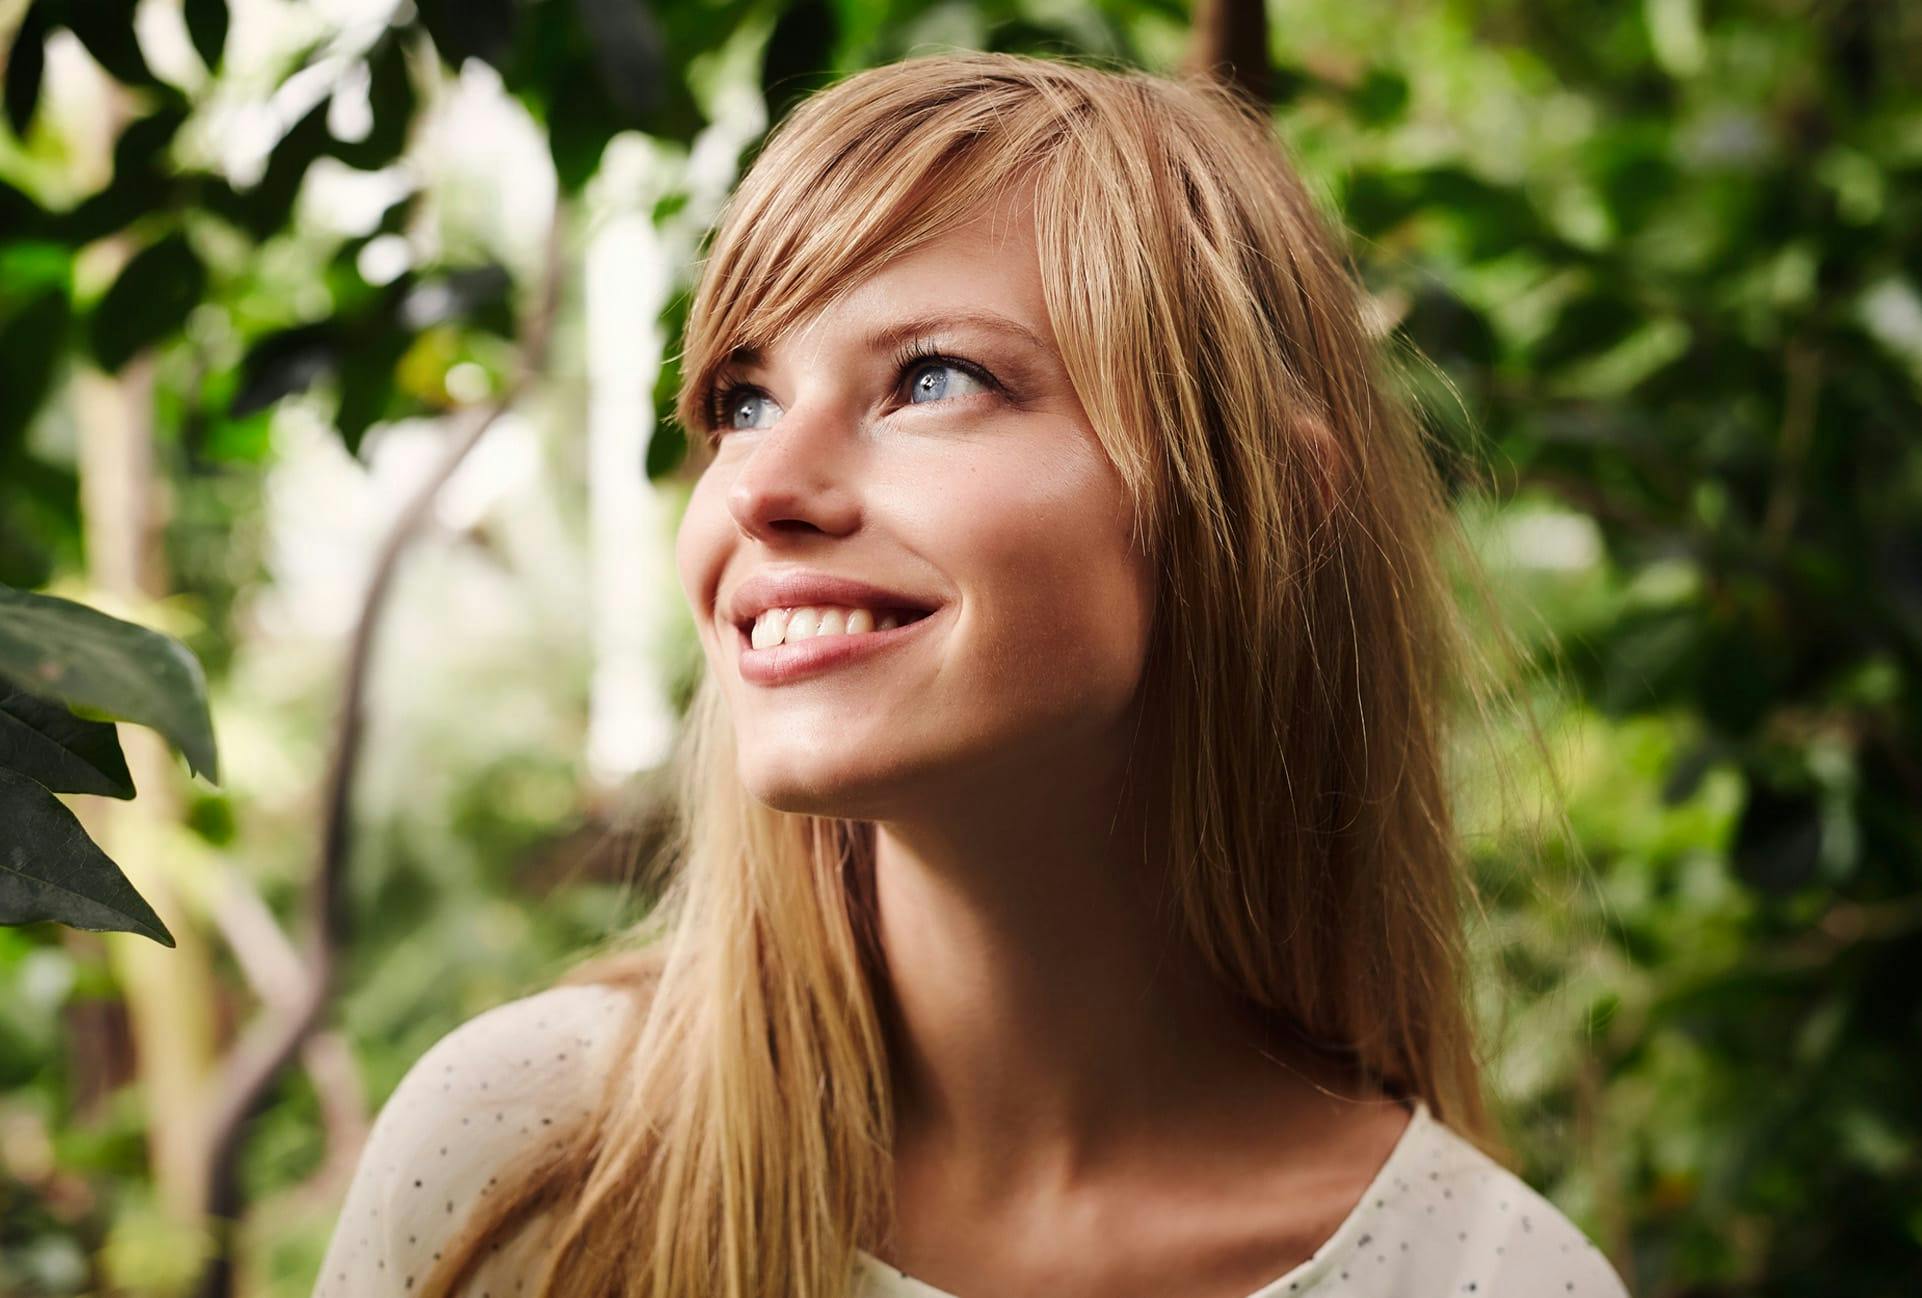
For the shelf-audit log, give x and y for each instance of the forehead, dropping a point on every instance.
(985, 265)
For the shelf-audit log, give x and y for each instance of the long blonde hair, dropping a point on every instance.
(1303, 666)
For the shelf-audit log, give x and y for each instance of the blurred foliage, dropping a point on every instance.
(1665, 258)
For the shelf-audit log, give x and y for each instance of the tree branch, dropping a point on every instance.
(266, 1050)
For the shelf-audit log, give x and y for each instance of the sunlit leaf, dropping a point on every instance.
(59, 649)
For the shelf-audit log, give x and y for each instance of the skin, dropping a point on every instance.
(1070, 1084)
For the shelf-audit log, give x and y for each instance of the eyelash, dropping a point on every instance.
(910, 357)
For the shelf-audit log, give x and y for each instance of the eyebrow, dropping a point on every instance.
(890, 336)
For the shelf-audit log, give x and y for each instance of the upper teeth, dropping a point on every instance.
(787, 625)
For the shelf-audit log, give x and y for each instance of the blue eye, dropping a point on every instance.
(754, 405)
(741, 407)
(931, 384)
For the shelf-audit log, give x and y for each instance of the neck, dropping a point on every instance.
(1048, 1017)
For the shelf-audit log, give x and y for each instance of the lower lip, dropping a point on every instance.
(789, 662)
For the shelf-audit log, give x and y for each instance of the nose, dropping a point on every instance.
(795, 479)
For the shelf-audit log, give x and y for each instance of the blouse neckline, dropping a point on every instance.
(889, 1281)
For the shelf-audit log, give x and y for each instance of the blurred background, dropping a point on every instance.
(335, 344)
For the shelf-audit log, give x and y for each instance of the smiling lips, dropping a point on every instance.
(791, 625)
(812, 651)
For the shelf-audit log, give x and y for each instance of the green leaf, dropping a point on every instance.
(60, 649)
(106, 28)
(51, 870)
(26, 61)
(31, 345)
(61, 751)
(207, 26)
(391, 101)
(153, 295)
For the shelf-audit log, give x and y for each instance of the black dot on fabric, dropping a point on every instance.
(417, 1183)
(1380, 1202)
(413, 1239)
(1471, 1286)
(1366, 1238)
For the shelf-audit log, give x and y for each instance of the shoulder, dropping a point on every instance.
(1484, 1229)
(469, 1106)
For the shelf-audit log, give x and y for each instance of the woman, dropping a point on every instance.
(1066, 900)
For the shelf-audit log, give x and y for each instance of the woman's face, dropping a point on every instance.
(970, 485)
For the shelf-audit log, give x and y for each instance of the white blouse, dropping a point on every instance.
(1440, 1219)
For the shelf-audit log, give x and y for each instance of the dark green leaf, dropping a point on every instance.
(1587, 327)
(32, 344)
(26, 62)
(148, 302)
(283, 363)
(1778, 842)
(20, 216)
(390, 100)
(142, 147)
(464, 29)
(106, 28)
(207, 26)
(800, 55)
(1380, 96)
(367, 381)
(264, 209)
(626, 49)
(60, 649)
(51, 870)
(67, 754)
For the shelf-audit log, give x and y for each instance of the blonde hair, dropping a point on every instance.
(1212, 327)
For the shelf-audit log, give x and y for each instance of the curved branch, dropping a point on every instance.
(278, 1037)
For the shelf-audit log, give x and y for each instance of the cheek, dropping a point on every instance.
(700, 550)
(1059, 593)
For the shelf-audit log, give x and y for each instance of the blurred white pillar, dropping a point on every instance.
(635, 590)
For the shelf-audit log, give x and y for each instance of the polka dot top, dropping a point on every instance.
(1440, 1219)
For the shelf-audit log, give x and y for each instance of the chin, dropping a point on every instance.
(819, 784)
